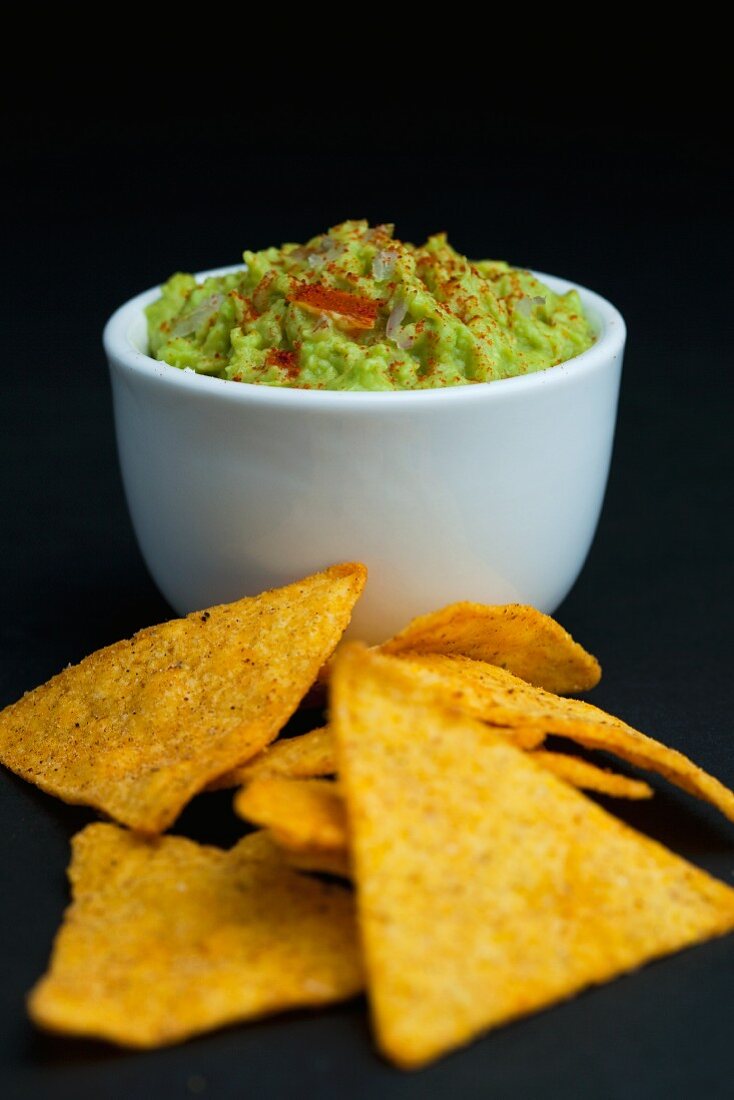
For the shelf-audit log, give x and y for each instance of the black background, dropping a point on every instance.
(113, 182)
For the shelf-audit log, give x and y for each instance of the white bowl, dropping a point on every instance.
(487, 492)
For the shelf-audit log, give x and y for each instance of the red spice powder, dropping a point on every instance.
(286, 360)
(359, 312)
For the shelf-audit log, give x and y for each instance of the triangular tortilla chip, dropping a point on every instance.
(300, 813)
(140, 727)
(487, 888)
(588, 777)
(304, 757)
(513, 636)
(166, 938)
(507, 700)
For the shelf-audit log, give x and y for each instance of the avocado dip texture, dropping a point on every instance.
(356, 309)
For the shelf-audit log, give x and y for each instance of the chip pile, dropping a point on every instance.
(471, 882)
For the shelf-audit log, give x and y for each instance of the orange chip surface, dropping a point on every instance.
(580, 773)
(138, 728)
(300, 813)
(327, 862)
(486, 887)
(515, 637)
(304, 757)
(507, 701)
(312, 755)
(165, 938)
(308, 816)
(479, 690)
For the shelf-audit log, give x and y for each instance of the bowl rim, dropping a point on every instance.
(122, 352)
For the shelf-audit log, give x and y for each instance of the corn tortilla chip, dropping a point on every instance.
(312, 755)
(140, 727)
(300, 813)
(508, 700)
(307, 816)
(165, 939)
(479, 690)
(587, 776)
(486, 887)
(515, 637)
(319, 859)
(304, 757)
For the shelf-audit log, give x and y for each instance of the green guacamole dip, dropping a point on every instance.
(356, 309)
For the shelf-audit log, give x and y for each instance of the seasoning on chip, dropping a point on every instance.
(589, 777)
(487, 888)
(300, 813)
(510, 701)
(303, 757)
(516, 637)
(138, 728)
(166, 938)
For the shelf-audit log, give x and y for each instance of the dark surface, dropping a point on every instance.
(98, 209)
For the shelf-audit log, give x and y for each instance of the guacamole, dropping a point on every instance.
(356, 309)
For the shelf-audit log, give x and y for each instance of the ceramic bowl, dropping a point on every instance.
(487, 492)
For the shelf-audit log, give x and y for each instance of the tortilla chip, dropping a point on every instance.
(300, 813)
(475, 688)
(515, 637)
(486, 887)
(580, 773)
(308, 816)
(318, 859)
(508, 701)
(138, 728)
(312, 755)
(165, 939)
(304, 757)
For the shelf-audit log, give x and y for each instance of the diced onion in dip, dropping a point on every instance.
(192, 322)
(383, 266)
(525, 305)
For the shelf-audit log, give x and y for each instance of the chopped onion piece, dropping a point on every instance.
(395, 320)
(325, 251)
(189, 324)
(383, 265)
(525, 304)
